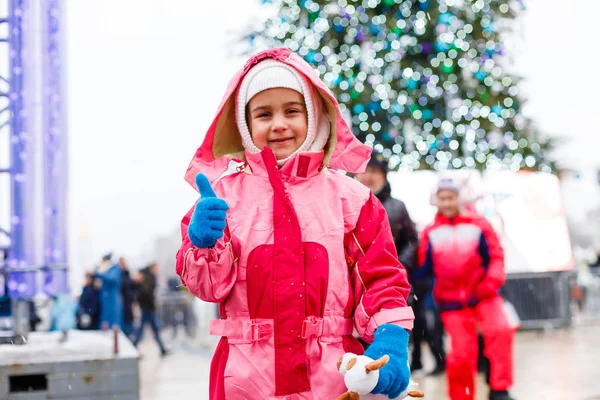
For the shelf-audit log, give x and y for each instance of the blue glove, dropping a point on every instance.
(394, 377)
(208, 220)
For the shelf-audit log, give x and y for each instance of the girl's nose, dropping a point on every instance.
(279, 123)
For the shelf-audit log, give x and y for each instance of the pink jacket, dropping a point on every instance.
(307, 257)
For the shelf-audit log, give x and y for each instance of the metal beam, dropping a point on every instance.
(55, 151)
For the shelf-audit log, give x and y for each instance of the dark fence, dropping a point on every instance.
(542, 300)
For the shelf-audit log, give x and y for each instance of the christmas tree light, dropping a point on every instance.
(421, 80)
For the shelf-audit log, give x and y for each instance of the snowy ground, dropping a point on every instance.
(550, 365)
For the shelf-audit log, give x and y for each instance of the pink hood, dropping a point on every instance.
(223, 143)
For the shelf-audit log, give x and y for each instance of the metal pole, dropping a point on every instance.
(20, 284)
(55, 155)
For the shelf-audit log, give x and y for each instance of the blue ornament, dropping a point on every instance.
(441, 46)
(374, 29)
(412, 84)
(310, 57)
(445, 18)
(302, 3)
(397, 108)
(490, 28)
(480, 75)
(427, 114)
(423, 5)
(385, 136)
(338, 28)
(338, 80)
(373, 106)
(497, 109)
(358, 108)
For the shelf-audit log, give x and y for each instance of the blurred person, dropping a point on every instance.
(403, 229)
(296, 254)
(178, 316)
(428, 326)
(128, 292)
(146, 281)
(595, 263)
(34, 318)
(5, 303)
(63, 315)
(406, 241)
(88, 313)
(111, 300)
(463, 253)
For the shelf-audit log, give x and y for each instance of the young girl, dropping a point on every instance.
(296, 254)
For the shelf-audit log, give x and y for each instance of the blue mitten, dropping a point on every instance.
(208, 220)
(394, 377)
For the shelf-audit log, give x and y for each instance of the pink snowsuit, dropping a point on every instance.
(307, 256)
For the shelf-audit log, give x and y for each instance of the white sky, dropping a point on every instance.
(145, 78)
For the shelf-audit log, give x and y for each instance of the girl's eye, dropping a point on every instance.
(262, 115)
(293, 111)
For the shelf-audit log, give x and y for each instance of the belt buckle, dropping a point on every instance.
(311, 327)
(260, 331)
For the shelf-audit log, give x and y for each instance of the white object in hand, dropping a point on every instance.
(361, 373)
(411, 390)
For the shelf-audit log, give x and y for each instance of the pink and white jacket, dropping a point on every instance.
(306, 258)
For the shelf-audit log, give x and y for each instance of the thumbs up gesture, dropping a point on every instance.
(208, 220)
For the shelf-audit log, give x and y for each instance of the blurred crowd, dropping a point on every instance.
(112, 296)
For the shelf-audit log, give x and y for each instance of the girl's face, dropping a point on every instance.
(277, 118)
(448, 203)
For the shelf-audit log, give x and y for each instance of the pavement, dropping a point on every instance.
(553, 364)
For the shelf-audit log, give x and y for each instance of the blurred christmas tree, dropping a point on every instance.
(422, 80)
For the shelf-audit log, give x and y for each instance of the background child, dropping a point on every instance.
(463, 253)
(296, 254)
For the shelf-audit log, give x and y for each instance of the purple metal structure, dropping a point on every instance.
(38, 149)
(21, 273)
(4, 139)
(54, 153)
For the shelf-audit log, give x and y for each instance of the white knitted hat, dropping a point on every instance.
(459, 185)
(446, 183)
(270, 74)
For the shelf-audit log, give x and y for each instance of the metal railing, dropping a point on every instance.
(542, 300)
(175, 311)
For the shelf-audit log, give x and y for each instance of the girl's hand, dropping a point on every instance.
(208, 220)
